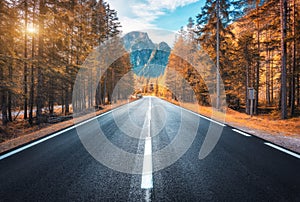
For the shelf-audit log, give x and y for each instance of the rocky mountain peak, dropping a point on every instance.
(147, 58)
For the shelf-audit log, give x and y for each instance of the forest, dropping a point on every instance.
(44, 43)
(258, 49)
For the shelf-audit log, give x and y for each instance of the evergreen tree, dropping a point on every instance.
(215, 37)
(283, 98)
(8, 57)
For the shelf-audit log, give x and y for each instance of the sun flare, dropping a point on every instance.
(31, 29)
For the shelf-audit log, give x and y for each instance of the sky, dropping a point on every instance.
(165, 16)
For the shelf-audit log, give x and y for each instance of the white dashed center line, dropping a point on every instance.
(147, 181)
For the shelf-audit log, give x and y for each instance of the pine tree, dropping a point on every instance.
(25, 72)
(283, 14)
(32, 69)
(8, 55)
(294, 53)
(214, 35)
(246, 54)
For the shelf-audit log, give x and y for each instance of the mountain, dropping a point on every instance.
(137, 40)
(147, 58)
(164, 46)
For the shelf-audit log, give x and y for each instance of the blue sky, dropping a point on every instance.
(173, 20)
(138, 15)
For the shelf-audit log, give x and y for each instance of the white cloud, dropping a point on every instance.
(152, 9)
(137, 15)
(169, 4)
(158, 35)
(135, 24)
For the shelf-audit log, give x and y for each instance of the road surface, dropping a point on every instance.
(240, 168)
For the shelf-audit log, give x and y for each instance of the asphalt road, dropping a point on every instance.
(239, 168)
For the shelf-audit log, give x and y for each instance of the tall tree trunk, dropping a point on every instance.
(67, 108)
(31, 96)
(283, 15)
(9, 106)
(3, 99)
(51, 90)
(40, 76)
(258, 59)
(298, 89)
(90, 89)
(25, 62)
(98, 94)
(268, 99)
(272, 80)
(246, 91)
(112, 83)
(62, 102)
(9, 92)
(99, 88)
(51, 96)
(65, 97)
(105, 85)
(4, 107)
(218, 104)
(292, 99)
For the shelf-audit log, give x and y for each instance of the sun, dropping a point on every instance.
(31, 29)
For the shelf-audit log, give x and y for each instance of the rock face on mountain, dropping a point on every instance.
(147, 59)
(137, 40)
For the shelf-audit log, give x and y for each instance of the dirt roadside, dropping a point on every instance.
(22, 139)
(285, 133)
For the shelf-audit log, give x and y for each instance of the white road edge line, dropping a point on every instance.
(269, 144)
(282, 149)
(147, 179)
(54, 135)
(242, 133)
(221, 124)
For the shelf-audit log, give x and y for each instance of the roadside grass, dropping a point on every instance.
(270, 127)
(269, 123)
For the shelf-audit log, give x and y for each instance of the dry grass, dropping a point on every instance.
(267, 123)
